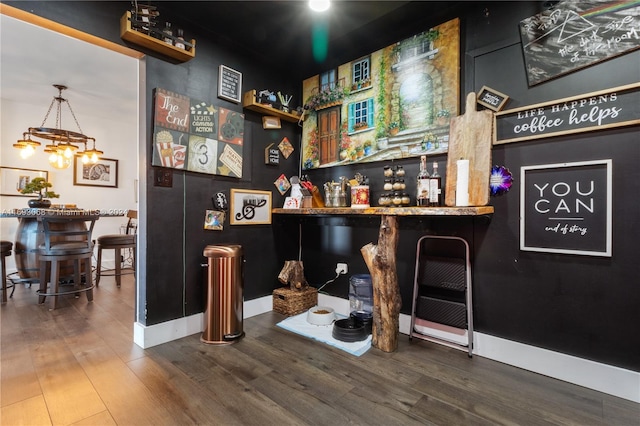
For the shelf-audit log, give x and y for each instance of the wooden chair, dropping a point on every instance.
(5, 248)
(66, 239)
(118, 242)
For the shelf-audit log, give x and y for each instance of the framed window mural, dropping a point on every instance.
(394, 103)
(197, 136)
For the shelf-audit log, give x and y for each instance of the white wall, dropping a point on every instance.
(103, 93)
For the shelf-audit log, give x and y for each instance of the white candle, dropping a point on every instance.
(462, 183)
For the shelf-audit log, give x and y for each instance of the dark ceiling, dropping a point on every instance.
(288, 32)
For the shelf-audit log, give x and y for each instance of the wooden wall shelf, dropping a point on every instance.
(390, 211)
(136, 37)
(249, 102)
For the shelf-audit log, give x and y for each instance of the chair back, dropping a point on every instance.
(132, 216)
(67, 234)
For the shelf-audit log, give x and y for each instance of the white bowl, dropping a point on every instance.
(321, 315)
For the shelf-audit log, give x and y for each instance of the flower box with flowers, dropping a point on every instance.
(326, 98)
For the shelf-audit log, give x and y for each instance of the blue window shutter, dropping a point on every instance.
(370, 112)
(352, 117)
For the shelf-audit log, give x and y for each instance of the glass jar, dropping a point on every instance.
(388, 184)
(388, 172)
(399, 171)
(397, 199)
(406, 200)
(384, 200)
(398, 185)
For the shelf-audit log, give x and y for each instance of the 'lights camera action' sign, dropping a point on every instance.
(566, 208)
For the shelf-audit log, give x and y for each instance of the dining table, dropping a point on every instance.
(30, 235)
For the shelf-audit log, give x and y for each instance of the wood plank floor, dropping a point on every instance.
(78, 366)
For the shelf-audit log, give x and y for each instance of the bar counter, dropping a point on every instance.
(389, 211)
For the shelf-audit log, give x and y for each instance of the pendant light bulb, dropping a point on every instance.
(94, 158)
(85, 158)
(27, 151)
(319, 5)
(68, 153)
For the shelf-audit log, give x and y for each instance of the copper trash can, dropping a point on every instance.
(223, 311)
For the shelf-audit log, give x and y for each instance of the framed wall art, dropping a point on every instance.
(577, 34)
(395, 102)
(197, 136)
(12, 180)
(250, 207)
(229, 84)
(567, 208)
(103, 173)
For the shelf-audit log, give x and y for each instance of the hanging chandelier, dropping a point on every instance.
(65, 144)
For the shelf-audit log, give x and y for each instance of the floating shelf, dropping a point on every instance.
(389, 211)
(136, 37)
(249, 102)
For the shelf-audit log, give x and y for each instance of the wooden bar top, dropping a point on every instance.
(390, 211)
(49, 212)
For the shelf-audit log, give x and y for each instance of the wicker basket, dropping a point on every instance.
(291, 302)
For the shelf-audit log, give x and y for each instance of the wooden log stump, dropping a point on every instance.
(381, 261)
(293, 274)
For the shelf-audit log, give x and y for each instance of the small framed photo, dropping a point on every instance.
(229, 84)
(214, 220)
(269, 122)
(491, 98)
(13, 180)
(250, 207)
(103, 173)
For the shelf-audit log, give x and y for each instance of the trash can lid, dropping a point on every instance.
(223, 250)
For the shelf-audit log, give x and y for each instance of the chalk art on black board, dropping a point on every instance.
(574, 35)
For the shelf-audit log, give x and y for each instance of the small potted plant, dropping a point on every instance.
(41, 187)
(442, 116)
(367, 147)
(394, 127)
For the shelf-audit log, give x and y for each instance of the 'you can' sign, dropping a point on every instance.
(566, 208)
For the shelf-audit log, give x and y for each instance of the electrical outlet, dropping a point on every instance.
(342, 268)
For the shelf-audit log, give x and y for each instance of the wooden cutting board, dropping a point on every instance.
(470, 138)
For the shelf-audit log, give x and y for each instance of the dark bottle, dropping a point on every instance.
(422, 184)
(435, 187)
(180, 41)
(167, 33)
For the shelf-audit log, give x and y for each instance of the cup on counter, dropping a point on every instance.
(360, 196)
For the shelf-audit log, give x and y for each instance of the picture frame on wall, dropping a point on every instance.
(250, 207)
(567, 208)
(229, 84)
(103, 173)
(12, 180)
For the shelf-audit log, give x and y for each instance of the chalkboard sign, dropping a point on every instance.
(566, 208)
(577, 34)
(229, 84)
(601, 110)
(491, 98)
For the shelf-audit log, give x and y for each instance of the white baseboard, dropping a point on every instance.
(593, 375)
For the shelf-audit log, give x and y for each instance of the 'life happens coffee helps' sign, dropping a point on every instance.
(605, 109)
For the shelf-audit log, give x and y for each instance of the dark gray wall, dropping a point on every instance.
(583, 306)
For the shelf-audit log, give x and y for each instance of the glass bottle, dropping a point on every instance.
(435, 187)
(167, 33)
(422, 183)
(180, 41)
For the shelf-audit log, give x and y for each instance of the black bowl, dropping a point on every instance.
(363, 318)
(348, 330)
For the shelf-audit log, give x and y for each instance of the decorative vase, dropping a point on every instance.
(36, 203)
